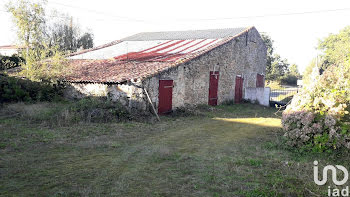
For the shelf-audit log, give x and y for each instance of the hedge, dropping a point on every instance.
(7, 62)
(13, 89)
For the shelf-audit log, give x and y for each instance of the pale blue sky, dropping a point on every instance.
(295, 35)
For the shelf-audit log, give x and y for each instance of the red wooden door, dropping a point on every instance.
(239, 89)
(260, 81)
(213, 88)
(165, 96)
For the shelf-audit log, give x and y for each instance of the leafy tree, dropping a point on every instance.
(86, 41)
(67, 36)
(336, 51)
(30, 21)
(39, 67)
(291, 76)
(336, 48)
(269, 45)
(47, 42)
(63, 35)
(278, 69)
(293, 70)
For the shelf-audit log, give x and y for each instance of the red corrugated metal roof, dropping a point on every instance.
(169, 51)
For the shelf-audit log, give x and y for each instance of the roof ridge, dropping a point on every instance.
(185, 34)
(192, 30)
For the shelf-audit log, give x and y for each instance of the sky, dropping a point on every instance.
(295, 26)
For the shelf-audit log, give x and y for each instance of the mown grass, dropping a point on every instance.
(229, 150)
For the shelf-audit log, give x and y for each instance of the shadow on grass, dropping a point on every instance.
(242, 110)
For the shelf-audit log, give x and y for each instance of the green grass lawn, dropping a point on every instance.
(229, 150)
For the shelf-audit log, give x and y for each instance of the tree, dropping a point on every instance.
(278, 69)
(66, 35)
(269, 45)
(47, 42)
(335, 48)
(42, 62)
(63, 35)
(86, 41)
(293, 70)
(291, 76)
(30, 21)
(336, 51)
(46, 64)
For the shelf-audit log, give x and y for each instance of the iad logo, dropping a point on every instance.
(336, 191)
(334, 174)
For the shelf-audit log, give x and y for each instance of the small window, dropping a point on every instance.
(260, 81)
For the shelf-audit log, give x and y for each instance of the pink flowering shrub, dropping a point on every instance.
(318, 117)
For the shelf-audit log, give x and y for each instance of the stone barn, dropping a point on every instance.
(172, 69)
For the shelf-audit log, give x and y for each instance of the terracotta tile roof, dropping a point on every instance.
(112, 71)
(141, 64)
(8, 47)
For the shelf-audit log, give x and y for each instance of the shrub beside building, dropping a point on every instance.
(318, 116)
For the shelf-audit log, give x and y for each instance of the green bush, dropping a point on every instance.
(289, 79)
(14, 89)
(7, 62)
(92, 109)
(318, 116)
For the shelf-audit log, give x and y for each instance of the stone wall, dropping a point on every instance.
(130, 94)
(80, 90)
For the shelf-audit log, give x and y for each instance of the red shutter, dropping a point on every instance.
(165, 96)
(213, 88)
(239, 89)
(260, 81)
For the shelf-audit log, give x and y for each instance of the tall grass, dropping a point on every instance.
(65, 113)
